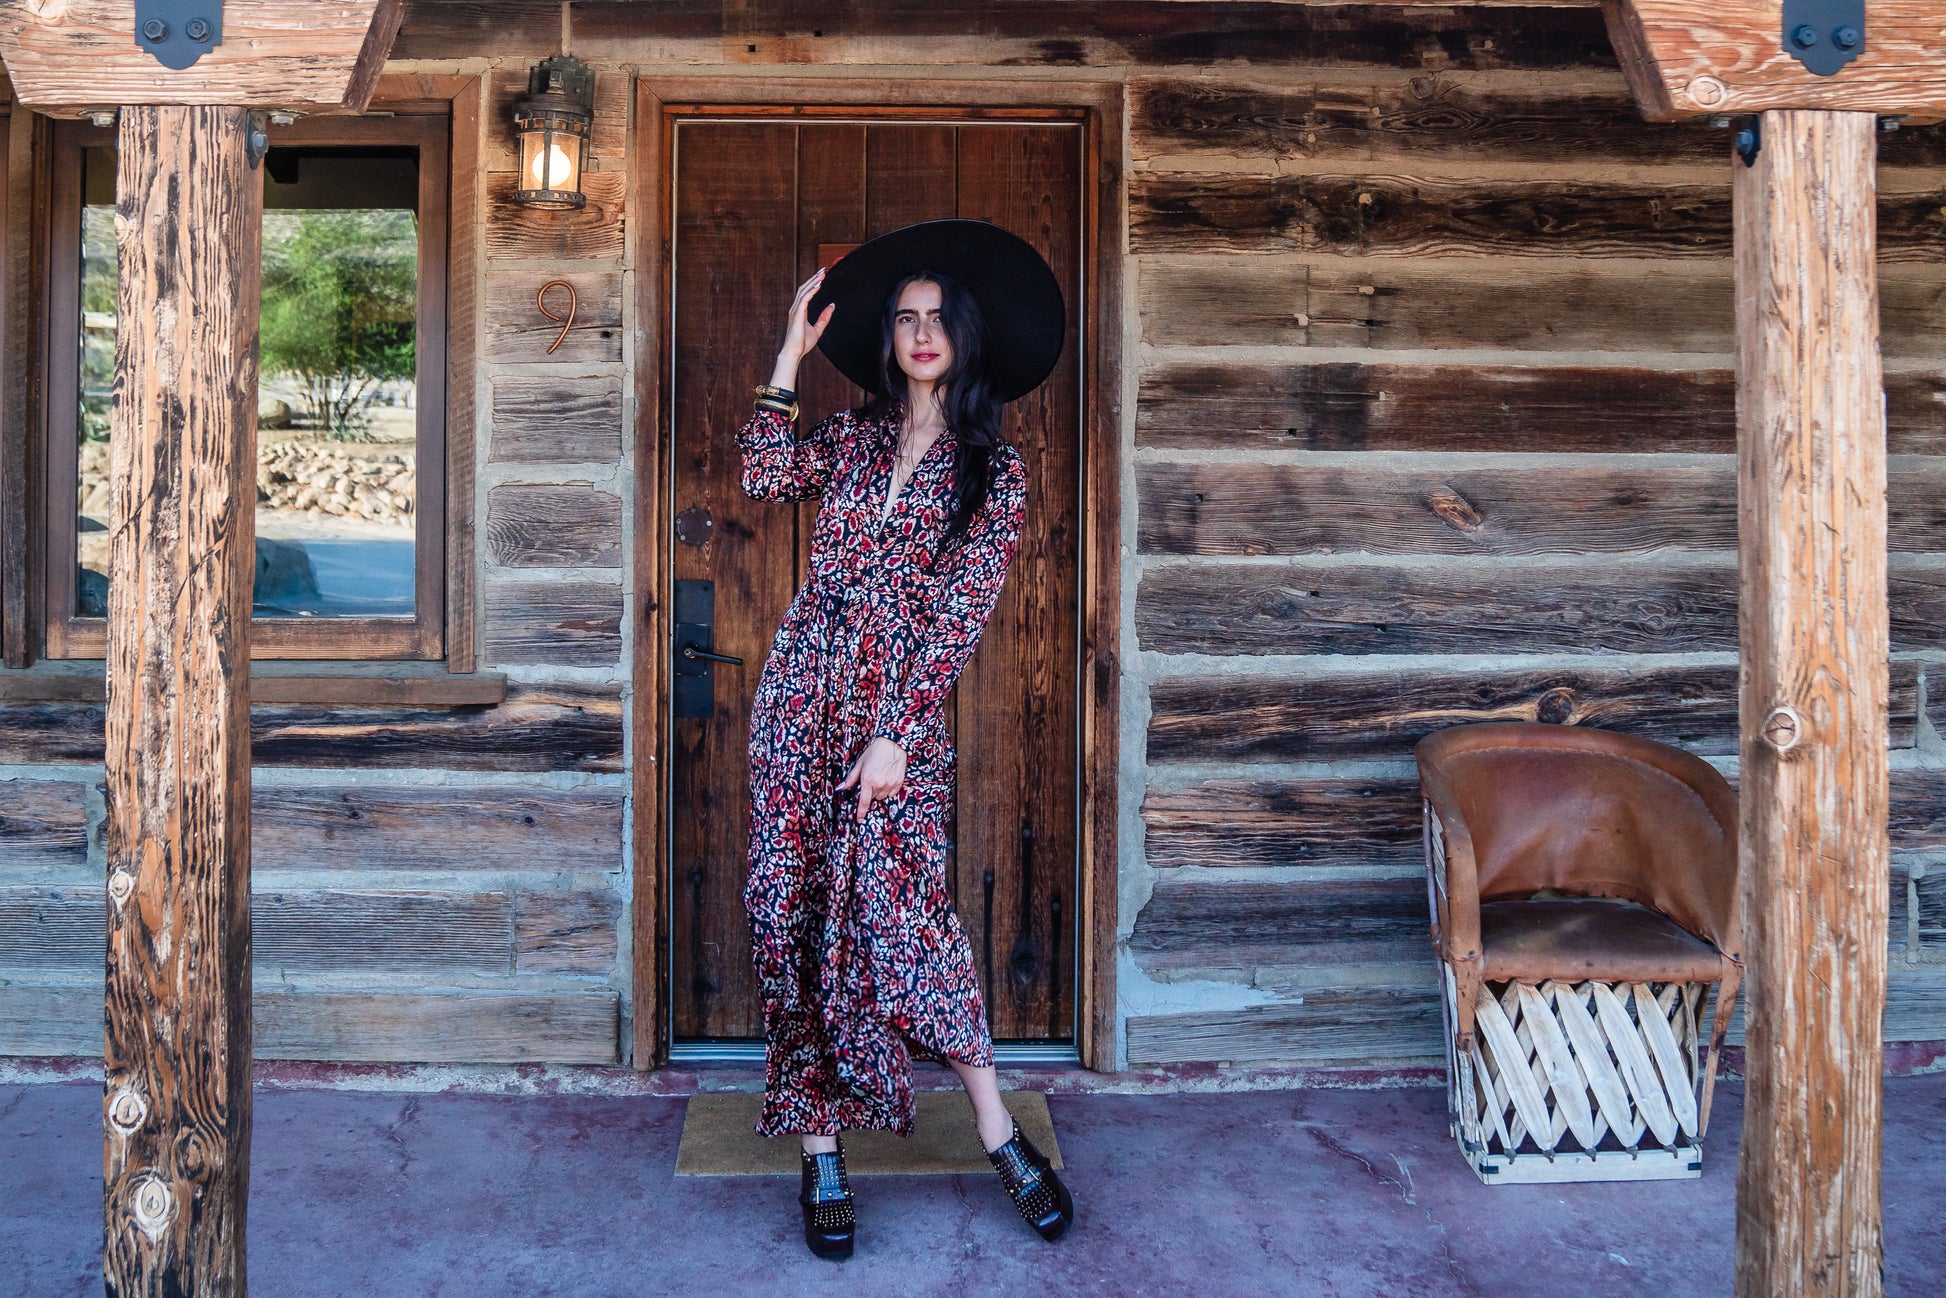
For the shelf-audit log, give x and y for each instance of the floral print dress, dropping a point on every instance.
(860, 958)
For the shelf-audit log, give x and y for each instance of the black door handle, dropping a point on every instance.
(694, 654)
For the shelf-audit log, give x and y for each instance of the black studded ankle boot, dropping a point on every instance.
(829, 1218)
(1031, 1183)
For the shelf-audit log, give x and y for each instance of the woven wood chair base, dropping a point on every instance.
(1585, 1081)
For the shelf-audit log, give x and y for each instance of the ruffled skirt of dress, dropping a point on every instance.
(860, 958)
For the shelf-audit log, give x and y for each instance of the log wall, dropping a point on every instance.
(440, 867)
(1435, 424)
(1429, 419)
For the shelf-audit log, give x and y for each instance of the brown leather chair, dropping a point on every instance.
(1583, 886)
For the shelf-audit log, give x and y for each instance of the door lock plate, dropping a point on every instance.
(694, 679)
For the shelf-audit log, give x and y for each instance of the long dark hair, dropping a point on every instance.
(972, 407)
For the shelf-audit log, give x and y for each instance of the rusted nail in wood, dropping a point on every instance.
(1783, 728)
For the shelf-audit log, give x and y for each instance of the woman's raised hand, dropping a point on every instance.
(803, 333)
(878, 774)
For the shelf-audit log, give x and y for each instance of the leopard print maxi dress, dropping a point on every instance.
(860, 958)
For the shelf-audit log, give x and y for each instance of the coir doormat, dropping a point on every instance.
(719, 1138)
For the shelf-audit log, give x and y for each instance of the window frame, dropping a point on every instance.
(424, 635)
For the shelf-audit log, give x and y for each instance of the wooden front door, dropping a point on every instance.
(757, 203)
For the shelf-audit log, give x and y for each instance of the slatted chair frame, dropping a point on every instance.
(1571, 1081)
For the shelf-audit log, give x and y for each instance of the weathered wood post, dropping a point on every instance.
(188, 222)
(183, 470)
(1814, 631)
(1814, 641)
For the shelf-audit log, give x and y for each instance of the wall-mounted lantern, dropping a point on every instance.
(554, 120)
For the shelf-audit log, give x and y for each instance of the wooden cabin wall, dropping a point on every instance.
(1428, 419)
(432, 882)
(1435, 425)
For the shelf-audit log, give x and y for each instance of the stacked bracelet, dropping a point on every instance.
(781, 401)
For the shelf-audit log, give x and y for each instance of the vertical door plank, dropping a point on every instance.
(830, 210)
(1812, 537)
(735, 214)
(177, 1049)
(1017, 700)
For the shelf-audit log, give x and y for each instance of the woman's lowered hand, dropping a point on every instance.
(879, 774)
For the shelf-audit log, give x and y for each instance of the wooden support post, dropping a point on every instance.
(1811, 449)
(182, 559)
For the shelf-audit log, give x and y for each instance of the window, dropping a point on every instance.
(351, 400)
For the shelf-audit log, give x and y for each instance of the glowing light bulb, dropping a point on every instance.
(551, 167)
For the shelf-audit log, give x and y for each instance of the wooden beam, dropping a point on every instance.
(1814, 633)
(183, 461)
(310, 55)
(1697, 58)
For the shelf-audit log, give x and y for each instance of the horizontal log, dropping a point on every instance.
(310, 931)
(1380, 715)
(564, 420)
(1436, 116)
(1430, 117)
(1380, 1025)
(43, 823)
(1918, 811)
(1356, 1025)
(458, 1027)
(566, 932)
(1272, 823)
(590, 233)
(565, 526)
(1582, 608)
(1516, 303)
(516, 331)
(1930, 891)
(561, 623)
(984, 33)
(1233, 930)
(418, 685)
(1509, 408)
(1261, 824)
(1420, 216)
(437, 827)
(538, 728)
(1257, 509)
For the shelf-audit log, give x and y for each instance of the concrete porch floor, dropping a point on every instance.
(1311, 1192)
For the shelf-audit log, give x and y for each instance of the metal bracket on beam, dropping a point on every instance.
(1824, 35)
(178, 32)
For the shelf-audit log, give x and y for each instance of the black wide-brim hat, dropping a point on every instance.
(1019, 296)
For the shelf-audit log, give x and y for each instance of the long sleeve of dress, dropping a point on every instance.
(779, 465)
(976, 572)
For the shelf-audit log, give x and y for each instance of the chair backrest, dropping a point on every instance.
(1592, 813)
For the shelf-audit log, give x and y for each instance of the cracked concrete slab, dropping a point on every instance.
(1313, 1192)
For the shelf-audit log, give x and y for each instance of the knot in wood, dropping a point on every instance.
(1556, 707)
(120, 885)
(1783, 728)
(126, 1111)
(152, 1205)
(1454, 510)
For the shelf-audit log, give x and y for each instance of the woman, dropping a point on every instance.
(860, 959)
